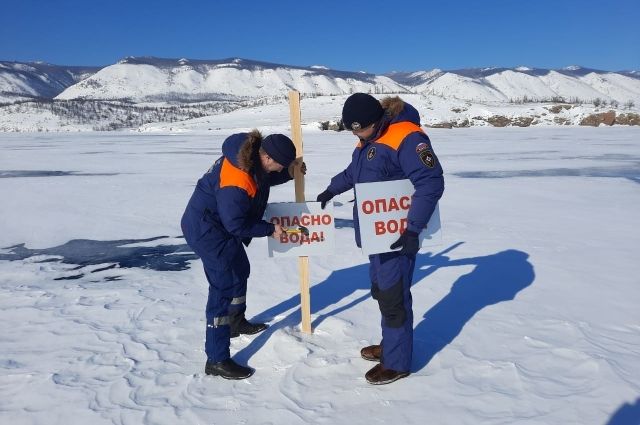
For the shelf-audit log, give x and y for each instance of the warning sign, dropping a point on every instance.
(382, 212)
(310, 229)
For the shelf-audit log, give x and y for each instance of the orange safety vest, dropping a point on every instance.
(230, 175)
(395, 134)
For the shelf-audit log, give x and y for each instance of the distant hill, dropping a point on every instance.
(525, 84)
(138, 91)
(184, 80)
(150, 79)
(21, 81)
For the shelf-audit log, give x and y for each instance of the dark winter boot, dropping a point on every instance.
(378, 375)
(245, 327)
(372, 353)
(228, 369)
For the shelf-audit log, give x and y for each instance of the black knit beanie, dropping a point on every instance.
(280, 148)
(360, 110)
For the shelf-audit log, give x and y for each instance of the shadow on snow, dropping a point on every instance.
(496, 278)
(627, 414)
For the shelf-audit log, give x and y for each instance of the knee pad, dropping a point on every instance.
(391, 303)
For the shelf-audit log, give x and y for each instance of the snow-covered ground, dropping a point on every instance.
(434, 110)
(526, 314)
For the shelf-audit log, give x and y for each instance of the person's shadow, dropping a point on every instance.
(497, 277)
(627, 414)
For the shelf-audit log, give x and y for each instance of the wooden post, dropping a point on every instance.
(303, 262)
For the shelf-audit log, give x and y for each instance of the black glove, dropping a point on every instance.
(409, 243)
(324, 197)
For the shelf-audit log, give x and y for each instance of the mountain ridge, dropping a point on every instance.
(136, 92)
(29, 80)
(188, 80)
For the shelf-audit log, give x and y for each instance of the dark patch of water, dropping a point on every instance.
(116, 254)
(8, 174)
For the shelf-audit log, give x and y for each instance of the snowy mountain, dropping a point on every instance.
(20, 81)
(154, 79)
(144, 90)
(523, 83)
(150, 79)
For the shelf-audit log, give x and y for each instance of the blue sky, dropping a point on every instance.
(358, 35)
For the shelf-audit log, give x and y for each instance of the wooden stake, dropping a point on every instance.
(303, 262)
(296, 136)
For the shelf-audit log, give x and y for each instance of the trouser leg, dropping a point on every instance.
(391, 275)
(240, 270)
(217, 338)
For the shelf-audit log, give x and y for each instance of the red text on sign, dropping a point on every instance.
(305, 220)
(386, 205)
(390, 226)
(299, 238)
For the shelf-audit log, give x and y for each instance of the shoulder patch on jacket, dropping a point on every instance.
(426, 156)
(396, 133)
(231, 175)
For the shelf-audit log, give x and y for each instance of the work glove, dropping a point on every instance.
(297, 163)
(409, 243)
(324, 197)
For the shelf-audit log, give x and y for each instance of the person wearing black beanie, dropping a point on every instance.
(224, 213)
(392, 146)
(360, 111)
(279, 148)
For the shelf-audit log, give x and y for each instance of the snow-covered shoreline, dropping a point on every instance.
(317, 111)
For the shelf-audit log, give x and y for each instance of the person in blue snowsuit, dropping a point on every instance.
(225, 212)
(392, 147)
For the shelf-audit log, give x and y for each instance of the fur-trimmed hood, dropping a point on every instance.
(242, 149)
(396, 109)
(392, 106)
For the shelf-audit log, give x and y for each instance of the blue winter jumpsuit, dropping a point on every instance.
(224, 212)
(398, 150)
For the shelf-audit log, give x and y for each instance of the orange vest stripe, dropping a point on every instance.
(230, 175)
(396, 133)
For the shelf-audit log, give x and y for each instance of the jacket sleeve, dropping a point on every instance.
(235, 214)
(420, 164)
(280, 177)
(342, 181)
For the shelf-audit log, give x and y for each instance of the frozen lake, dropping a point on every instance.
(527, 313)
